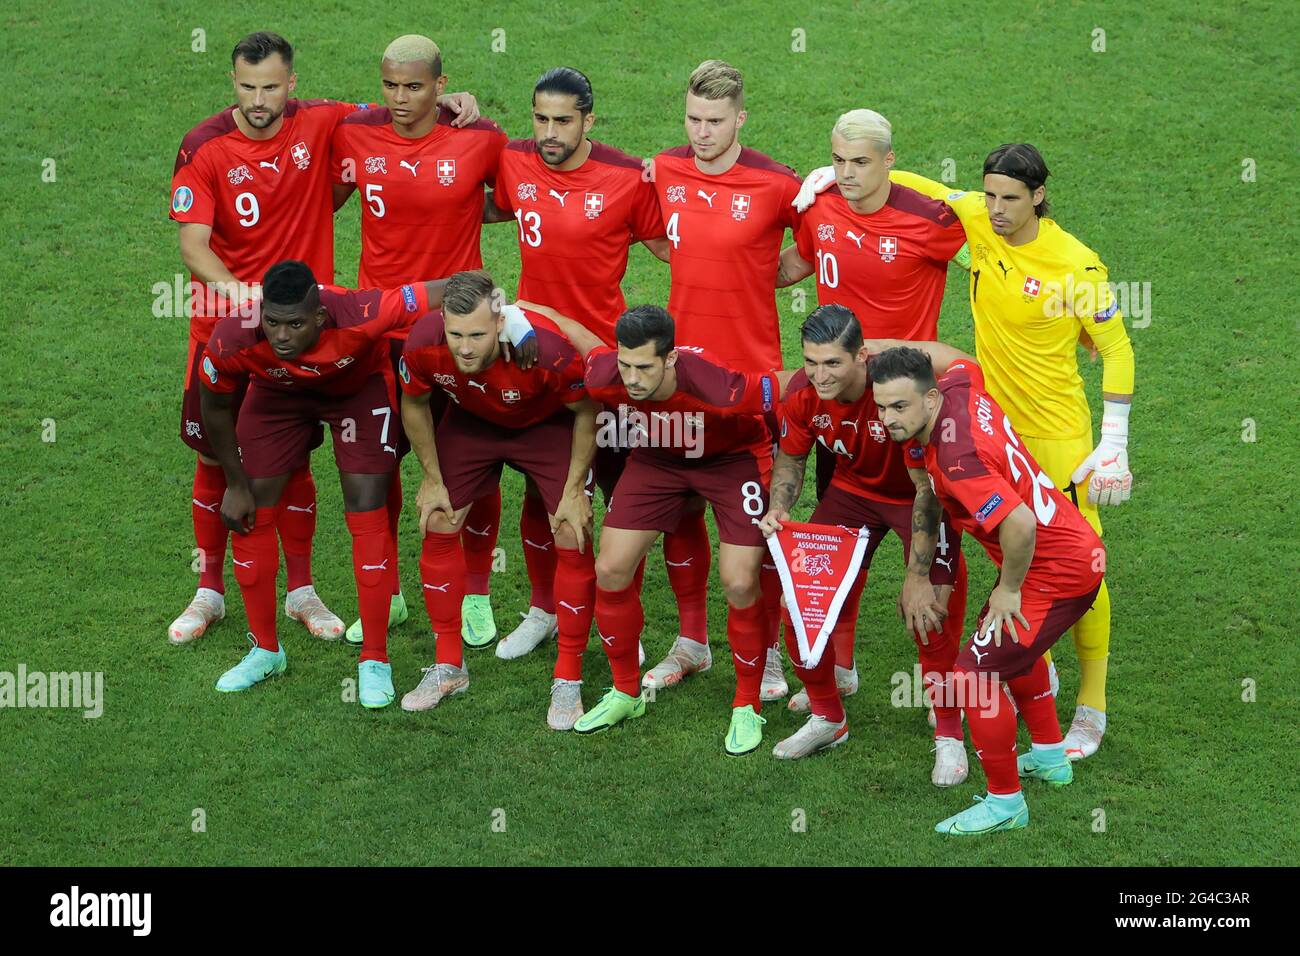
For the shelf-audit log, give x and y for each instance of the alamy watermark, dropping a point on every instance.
(72, 690)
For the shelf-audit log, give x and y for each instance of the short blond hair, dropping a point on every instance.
(717, 80)
(414, 48)
(865, 124)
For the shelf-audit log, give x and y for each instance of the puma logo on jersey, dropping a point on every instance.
(439, 587)
(734, 390)
(391, 450)
(947, 564)
(381, 566)
(1005, 271)
(857, 240)
(308, 510)
(479, 385)
(273, 164)
(957, 467)
(849, 423)
(314, 369)
(978, 656)
(569, 607)
(560, 197)
(707, 197)
(212, 507)
(413, 167)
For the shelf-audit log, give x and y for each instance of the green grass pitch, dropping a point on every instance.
(1173, 155)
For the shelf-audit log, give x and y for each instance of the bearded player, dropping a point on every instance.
(1050, 564)
(251, 187)
(315, 354)
(701, 434)
(1036, 292)
(881, 250)
(539, 422)
(725, 209)
(422, 181)
(829, 404)
(579, 205)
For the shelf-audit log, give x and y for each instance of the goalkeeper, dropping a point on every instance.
(1036, 292)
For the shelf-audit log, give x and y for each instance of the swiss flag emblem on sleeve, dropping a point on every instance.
(1032, 286)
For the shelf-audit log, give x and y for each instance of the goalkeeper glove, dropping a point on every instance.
(818, 181)
(1111, 482)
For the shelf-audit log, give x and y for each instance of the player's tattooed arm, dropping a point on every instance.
(574, 510)
(918, 604)
(432, 498)
(237, 505)
(791, 267)
(787, 482)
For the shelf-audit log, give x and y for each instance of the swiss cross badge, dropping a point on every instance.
(888, 248)
(446, 169)
(739, 206)
(300, 154)
(510, 395)
(1032, 286)
(592, 204)
(877, 430)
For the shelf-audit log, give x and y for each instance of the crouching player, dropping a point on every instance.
(829, 403)
(695, 427)
(541, 423)
(1050, 563)
(314, 354)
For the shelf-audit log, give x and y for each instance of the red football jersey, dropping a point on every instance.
(575, 229)
(421, 199)
(503, 393)
(867, 462)
(266, 200)
(352, 344)
(725, 233)
(889, 267)
(984, 473)
(714, 411)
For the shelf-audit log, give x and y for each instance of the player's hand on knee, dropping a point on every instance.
(238, 509)
(433, 501)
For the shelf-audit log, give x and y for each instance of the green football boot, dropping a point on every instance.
(478, 628)
(614, 708)
(1051, 767)
(745, 735)
(397, 614)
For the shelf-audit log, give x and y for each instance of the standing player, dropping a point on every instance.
(251, 187)
(538, 421)
(725, 209)
(421, 180)
(704, 436)
(829, 404)
(316, 353)
(1050, 564)
(1036, 292)
(880, 249)
(579, 205)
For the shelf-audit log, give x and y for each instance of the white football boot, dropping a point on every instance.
(846, 682)
(774, 686)
(685, 658)
(816, 734)
(537, 626)
(304, 605)
(950, 764)
(1085, 732)
(566, 704)
(207, 608)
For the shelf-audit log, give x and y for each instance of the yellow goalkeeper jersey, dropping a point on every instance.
(1030, 304)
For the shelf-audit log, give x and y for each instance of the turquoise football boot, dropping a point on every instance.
(257, 665)
(375, 684)
(989, 815)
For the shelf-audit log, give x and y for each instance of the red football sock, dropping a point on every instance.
(846, 625)
(442, 577)
(257, 563)
(1033, 694)
(769, 584)
(394, 505)
(937, 660)
(372, 563)
(748, 652)
(619, 618)
(575, 602)
(210, 532)
(819, 682)
(295, 519)
(686, 559)
(479, 538)
(539, 552)
(992, 729)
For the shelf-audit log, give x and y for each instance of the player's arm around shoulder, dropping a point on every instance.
(583, 339)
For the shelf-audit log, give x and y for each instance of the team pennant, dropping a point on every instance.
(818, 565)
